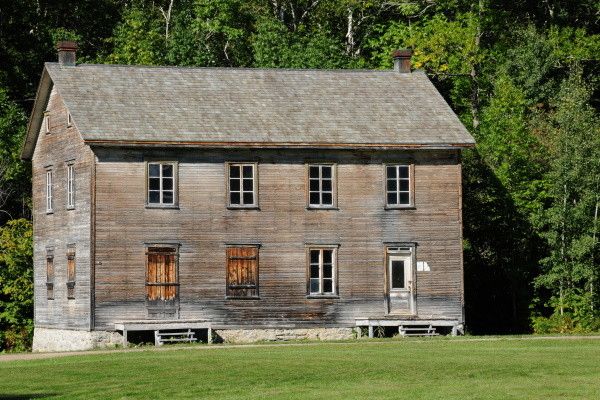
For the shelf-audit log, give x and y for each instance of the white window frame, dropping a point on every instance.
(320, 179)
(46, 123)
(397, 180)
(161, 191)
(241, 191)
(321, 278)
(49, 199)
(70, 185)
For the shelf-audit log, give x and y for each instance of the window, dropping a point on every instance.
(46, 123)
(322, 271)
(162, 280)
(398, 187)
(50, 273)
(321, 186)
(162, 184)
(48, 190)
(242, 272)
(69, 119)
(242, 185)
(71, 271)
(70, 186)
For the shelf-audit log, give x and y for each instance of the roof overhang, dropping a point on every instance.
(35, 120)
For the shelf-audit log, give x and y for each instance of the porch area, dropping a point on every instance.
(176, 330)
(408, 325)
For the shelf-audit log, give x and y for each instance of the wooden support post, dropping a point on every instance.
(454, 330)
(371, 332)
(209, 337)
(125, 343)
(156, 341)
(358, 332)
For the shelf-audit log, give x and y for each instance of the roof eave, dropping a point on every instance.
(279, 145)
(35, 120)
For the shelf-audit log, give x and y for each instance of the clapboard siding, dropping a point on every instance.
(62, 227)
(204, 226)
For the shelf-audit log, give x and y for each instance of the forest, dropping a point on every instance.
(522, 76)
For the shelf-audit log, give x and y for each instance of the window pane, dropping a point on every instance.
(314, 198)
(248, 184)
(326, 185)
(392, 198)
(326, 171)
(249, 198)
(154, 197)
(403, 171)
(404, 185)
(327, 199)
(234, 198)
(314, 271)
(167, 170)
(314, 172)
(168, 184)
(153, 170)
(404, 198)
(327, 286)
(168, 197)
(154, 183)
(234, 171)
(248, 171)
(327, 271)
(314, 285)
(314, 185)
(398, 274)
(234, 184)
(314, 256)
(391, 185)
(327, 256)
(391, 172)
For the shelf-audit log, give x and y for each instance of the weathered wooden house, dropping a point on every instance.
(255, 203)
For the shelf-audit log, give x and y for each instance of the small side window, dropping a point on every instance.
(46, 123)
(49, 201)
(69, 120)
(70, 186)
(50, 273)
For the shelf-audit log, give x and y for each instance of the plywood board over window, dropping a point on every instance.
(71, 271)
(242, 272)
(162, 281)
(50, 273)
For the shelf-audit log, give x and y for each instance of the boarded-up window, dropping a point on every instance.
(50, 273)
(161, 273)
(71, 271)
(242, 272)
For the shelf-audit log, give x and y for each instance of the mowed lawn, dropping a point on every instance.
(389, 369)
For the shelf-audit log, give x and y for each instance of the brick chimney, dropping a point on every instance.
(402, 60)
(66, 52)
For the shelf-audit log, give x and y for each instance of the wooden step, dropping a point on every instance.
(417, 330)
(162, 337)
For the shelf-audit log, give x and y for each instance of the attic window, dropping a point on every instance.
(69, 120)
(46, 123)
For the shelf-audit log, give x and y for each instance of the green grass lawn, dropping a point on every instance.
(391, 369)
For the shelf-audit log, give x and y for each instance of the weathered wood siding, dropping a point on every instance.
(204, 226)
(62, 227)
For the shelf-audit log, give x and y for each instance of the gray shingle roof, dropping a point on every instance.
(271, 106)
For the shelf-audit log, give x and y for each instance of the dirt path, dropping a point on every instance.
(40, 356)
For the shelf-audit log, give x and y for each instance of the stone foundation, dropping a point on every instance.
(47, 339)
(272, 335)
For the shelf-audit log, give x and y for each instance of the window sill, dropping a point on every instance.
(70, 208)
(256, 208)
(163, 207)
(50, 212)
(322, 296)
(331, 208)
(409, 207)
(241, 298)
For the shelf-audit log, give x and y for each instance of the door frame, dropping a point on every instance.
(404, 250)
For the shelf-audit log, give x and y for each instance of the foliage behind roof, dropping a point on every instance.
(237, 106)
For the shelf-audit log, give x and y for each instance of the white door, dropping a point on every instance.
(400, 284)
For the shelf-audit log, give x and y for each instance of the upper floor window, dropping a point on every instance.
(162, 183)
(46, 123)
(70, 186)
(399, 186)
(242, 185)
(321, 186)
(322, 270)
(69, 119)
(48, 190)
